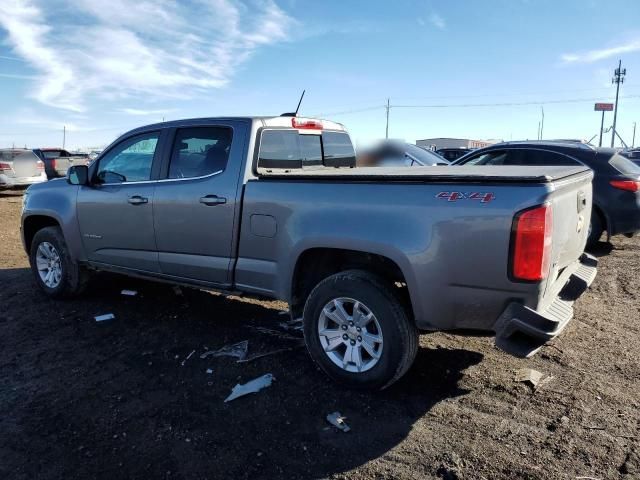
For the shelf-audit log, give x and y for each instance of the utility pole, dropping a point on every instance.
(542, 122)
(64, 135)
(633, 140)
(601, 127)
(618, 78)
(386, 133)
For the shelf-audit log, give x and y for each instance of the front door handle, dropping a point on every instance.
(210, 200)
(138, 200)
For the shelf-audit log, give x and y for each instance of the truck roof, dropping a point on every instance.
(267, 121)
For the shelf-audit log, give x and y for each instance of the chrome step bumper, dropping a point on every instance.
(522, 331)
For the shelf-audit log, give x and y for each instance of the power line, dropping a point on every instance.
(470, 105)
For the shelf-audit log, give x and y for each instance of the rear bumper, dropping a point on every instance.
(522, 331)
(8, 182)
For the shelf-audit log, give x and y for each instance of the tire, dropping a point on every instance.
(72, 278)
(595, 229)
(388, 322)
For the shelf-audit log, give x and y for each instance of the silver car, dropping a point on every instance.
(20, 167)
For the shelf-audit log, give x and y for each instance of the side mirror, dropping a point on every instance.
(78, 175)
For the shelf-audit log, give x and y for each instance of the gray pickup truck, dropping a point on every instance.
(368, 257)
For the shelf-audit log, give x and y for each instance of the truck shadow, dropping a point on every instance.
(113, 399)
(600, 249)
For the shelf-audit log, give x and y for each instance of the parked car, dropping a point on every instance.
(93, 154)
(452, 154)
(20, 167)
(57, 161)
(616, 185)
(366, 256)
(392, 153)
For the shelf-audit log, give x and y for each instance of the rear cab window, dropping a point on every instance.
(294, 149)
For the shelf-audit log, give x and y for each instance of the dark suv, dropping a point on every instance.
(616, 183)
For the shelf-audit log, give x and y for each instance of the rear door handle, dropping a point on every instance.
(138, 200)
(210, 200)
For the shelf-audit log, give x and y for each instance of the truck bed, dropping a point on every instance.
(461, 174)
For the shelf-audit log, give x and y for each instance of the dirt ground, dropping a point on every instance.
(81, 399)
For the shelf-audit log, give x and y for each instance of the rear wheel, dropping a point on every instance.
(54, 271)
(357, 330)
(595, 229)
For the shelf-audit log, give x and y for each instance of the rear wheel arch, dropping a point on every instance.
(315, 264)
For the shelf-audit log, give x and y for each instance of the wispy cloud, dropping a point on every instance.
(121, 48)
(143, 113)
(601, 54)
(437, 21)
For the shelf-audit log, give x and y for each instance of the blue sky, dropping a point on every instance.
(102, 67)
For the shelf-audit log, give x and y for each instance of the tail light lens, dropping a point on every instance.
(53, 163)
(4, 167)
(629, 185)
(40, 165)
(531, 244)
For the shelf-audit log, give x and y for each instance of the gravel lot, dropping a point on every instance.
(81, 399)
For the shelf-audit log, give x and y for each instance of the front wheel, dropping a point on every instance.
(357, 330)
(55, 272)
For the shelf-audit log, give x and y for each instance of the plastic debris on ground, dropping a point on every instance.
(187, 358)
(337, 420)
(252, 386)
(274, 333)
(106, 316)
(238, 350)
(272, 352)
(295, 325)
(532, 377)
(209, 371)
(129, 293)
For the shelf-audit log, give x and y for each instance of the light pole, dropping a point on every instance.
(633, 139)
(618, 78)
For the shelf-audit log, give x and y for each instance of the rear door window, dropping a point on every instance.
(200, 151)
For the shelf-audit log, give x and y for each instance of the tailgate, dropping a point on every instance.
(571, 203)
(26, 165)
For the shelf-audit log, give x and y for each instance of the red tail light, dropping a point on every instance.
(53, 164)
(629, 185)
(306, 123)
(4, 166)
(531, 244)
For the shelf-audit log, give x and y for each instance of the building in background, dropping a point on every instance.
(440, 143)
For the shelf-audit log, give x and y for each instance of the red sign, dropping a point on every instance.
(603, 107)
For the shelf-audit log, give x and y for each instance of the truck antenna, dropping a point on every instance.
(299, 102)
(295, 114)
